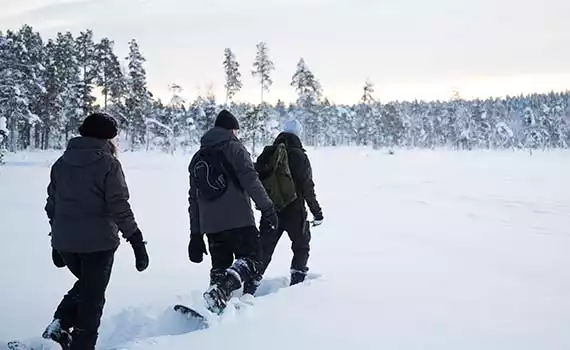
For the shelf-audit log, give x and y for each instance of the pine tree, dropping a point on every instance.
(17, 85)
(3, 132)
(110, 76)
(53, 99)
(309, 92)
(367, 93)
(137, 102)
(32, 58)
(368, 123)
(233, 76)
(86, 59)
(263, 66)
(68, 74)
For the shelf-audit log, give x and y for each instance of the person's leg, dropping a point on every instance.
(65, 316)
(249, 258)
(95, 275)
(67, 310)
(267, 242)
(222, 283)
(244, 244)
(300, 235)
(221, 255)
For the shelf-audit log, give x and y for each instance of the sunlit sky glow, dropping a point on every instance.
(410, 49)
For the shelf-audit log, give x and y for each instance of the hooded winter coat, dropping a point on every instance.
(233, 210)
(87, 202)
(302, 174)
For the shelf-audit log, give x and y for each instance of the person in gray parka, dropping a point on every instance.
(226, 218)
(87, 206)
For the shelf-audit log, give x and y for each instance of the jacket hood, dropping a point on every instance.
(82, 151)
(216, 136)
(290, 140)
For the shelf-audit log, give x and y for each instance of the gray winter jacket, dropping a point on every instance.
(88, 197)
(233, 209)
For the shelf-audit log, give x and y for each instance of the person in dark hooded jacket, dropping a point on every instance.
(293, 218)
(87, 205)
(228, 221)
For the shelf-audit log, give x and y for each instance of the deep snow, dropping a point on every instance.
(420, 250)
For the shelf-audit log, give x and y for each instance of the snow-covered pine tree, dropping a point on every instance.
(331, 134)
(233, 76)
(53, 99)
(67, 70)
(32, 58)
(138, 99)
(368, 118)
(262, 68)
(309, 92)
(177, 117)
(17, 85)
(109, 74)
(251, 126)
(3, 133)
(391, 126)
(88, 70)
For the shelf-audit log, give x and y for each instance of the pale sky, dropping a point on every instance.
(409, 48)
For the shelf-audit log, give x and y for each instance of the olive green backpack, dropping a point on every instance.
(272, 166)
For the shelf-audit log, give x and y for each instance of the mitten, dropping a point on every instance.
(269, 217)
(196, 248)
(139, 248)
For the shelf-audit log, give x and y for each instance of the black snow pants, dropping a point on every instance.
(293, 220)
(82, 306)
(239, 249)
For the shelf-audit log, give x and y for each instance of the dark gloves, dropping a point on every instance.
(317, 220)
(269, 217)
(197, 248)
(139, 248)
(57, 259)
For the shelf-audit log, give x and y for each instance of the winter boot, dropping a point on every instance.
(55, 332)
(218, 295)
(216, 275)
(83, 340)
(297, 277)
(250, 287)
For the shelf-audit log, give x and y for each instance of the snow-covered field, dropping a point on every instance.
(420, 250)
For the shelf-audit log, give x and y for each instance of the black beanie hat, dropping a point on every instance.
(227, 120)
(99, 126)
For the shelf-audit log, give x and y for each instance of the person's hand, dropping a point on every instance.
(139, 248)
(317, 220)
(269, 217)
(197, 248)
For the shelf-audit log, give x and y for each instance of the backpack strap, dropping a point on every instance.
(229, 169)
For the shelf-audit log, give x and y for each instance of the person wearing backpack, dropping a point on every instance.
(285, 171)
(223, 181)
(87, 206)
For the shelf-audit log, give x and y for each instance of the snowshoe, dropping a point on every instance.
(192, 314)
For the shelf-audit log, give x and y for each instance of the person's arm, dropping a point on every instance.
(193, 209)
(243, 167)
(50, 203)
(302, 173)
(117, 200)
